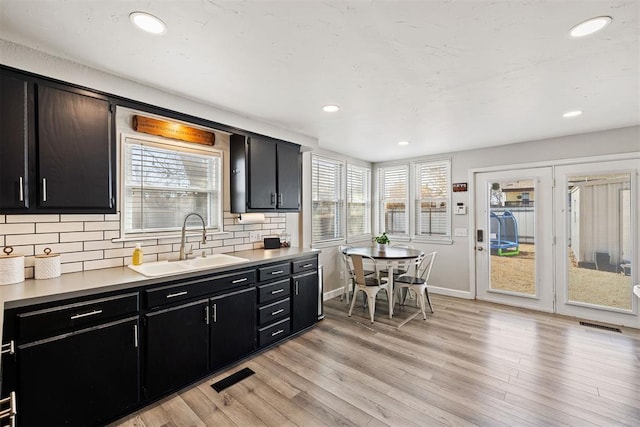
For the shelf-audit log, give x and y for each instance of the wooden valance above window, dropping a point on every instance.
(172, 130)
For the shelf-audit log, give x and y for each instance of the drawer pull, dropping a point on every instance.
(177, 294)
(91, 313)
(277, 291)
(278, 332)
(135, 336)
(277, 312)
(244, 279)
(277, 272)
(307, 265)
(9, 347)
(10, 412)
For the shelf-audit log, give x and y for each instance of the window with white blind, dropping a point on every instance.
(433, 200)
(163, 183)
(358, 201)
(327, 194)
(393, 191)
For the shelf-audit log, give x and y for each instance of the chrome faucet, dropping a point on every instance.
(183, 253)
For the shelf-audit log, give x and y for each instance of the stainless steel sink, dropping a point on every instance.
(167, 268)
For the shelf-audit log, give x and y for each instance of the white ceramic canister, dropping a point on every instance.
(47, 265)
(11, 267)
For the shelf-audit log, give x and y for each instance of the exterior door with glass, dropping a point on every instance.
(597, 241)
(514, 237)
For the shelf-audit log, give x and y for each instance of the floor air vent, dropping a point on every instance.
(606, 328)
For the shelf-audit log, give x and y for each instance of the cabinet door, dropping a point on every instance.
(176, 347)
(305, 300)
(74, 149)
(84, 378)
(289, 170)
(14, 107)
(262, 174)
(233, 326)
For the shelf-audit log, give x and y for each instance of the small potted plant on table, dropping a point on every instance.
(382, 241)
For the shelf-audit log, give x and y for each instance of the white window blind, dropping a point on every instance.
(358, 201)
(164, 183)
(327, 194)
(393, 185)
(433, 200)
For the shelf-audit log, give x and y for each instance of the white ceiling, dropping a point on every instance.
(445, 75)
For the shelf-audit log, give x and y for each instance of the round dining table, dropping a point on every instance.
(390, 255)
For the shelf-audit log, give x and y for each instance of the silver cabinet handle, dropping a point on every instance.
(273, 198)
(278, 332)
(277, 272)
(44, 189)
(277, 291)
(273, 313)
(215, 313)
(10, 412)
(206, 314)
(91, 313)
(307, 265)
(296, 287)
(177, 294)
(9, 347)
(21, 190)
(135, 336)
(244, 279)
(280, 199)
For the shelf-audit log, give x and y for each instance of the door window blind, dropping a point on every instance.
(327, 194)
(433, 199)
(163, 183)
(358, 201)
(394, 200)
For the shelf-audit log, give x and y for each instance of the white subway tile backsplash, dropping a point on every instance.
(103, 263)
(31, 239)
(106, 225)
(32, 218)
(84, 242)
(3, 219)
(81, 236)
(59, 248)
(58, 227)
(81, 256)
(27, 228)
(84, 218)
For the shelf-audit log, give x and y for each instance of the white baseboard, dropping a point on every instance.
(331, 294)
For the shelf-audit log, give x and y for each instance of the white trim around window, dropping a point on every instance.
(358, 203)
(327, 199)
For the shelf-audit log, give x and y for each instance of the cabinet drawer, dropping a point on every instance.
(273, 272)
(305, 265)
(274, 291)
(197, 288)
(273, 333)
(55, 320)
(274, 311)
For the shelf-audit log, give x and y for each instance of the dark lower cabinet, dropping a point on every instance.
(304, 297)
(233, 326)
(83, 378)
(176, 347)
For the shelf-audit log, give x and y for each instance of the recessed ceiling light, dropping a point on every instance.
(148, 23)
(572, 113)
(590, 26)
(330, 108)
(403, 143)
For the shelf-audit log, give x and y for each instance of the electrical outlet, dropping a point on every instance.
(254, 236)
(342, 275)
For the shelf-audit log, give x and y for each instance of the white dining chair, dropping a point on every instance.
(348, 276)
(416, 279)
(370, 285)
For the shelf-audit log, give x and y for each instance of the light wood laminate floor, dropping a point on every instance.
(470, 363)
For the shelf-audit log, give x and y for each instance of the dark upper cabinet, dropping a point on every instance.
(15, 105)
(233, 326)
(74, 150)
(265, 175)
(57, 149)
